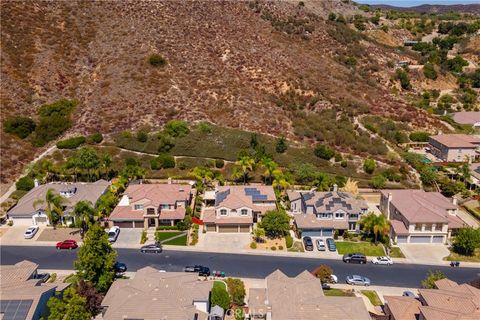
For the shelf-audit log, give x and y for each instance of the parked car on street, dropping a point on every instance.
(354, 258)
(195, 268)
(321, 245)
(409, 294)
(119, 267)
(113, 233)
(152, 248)
(358, 280)
(67, 244)
(308, 243)
(382, 260)
(325, 286)
(331, 244)
(30, 232)
(204, 272)
(42, 276)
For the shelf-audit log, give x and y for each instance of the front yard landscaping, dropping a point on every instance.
(59, 234)
(296, 247)
(459, 257)
(334, 292)
(180, 241)
(164, 236)
(372, 296)
(395, 252)
(367, 248)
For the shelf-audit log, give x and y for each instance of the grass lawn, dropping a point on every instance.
(367, 248)
(372, 296)
(180, 241)
(458, 257)
(164, 235)
(219, 284)
(395, 252)
(296, 247)
(334, 292)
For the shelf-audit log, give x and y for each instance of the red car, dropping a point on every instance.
(67, 244)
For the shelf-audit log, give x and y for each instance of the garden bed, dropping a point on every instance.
(395, 252)
(367, 248)
(372, 296)
(334, 292)
(458, 257)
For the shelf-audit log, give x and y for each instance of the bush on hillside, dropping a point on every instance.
(25, 184)
(219, 163)
(71, 143)
(176, 128)
(22, 127)
(157, 60)
(324, 152)
(95, 138)
(419, 136)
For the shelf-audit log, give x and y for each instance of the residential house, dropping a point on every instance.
(301, 297)
(319, 214)
(468, 117)
(237, 208)
(475, 174)
(22, 295)
(151, 205)
(28, 210)
(455, 147)
(448, 301)
(152, 294)
(417, 216)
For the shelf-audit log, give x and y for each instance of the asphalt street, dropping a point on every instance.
(240, 265)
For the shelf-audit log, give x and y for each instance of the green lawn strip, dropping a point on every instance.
(296, 247)
(367, 248)
(164, 235)
(458, 257)
(372, 296)
(395, 252)
(219, 284)
(334, 292)
(180, 241)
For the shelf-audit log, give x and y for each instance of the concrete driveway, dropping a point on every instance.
(128, 238)
(424, 253)
(14, 236)
(225, 242)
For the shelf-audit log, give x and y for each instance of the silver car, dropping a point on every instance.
(321, 245)
(113, 233)
(358, 280)
(30, 232)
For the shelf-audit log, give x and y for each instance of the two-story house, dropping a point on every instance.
(237, 208)
(455, 147)
(417, 216)
(319, 214)
(151, 205)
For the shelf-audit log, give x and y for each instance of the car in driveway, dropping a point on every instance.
(113, 233)
(308, 243)
(331, 245)
(358, 280)
(120, 267)
(354, 258)
(409, 294)
(382, 260)
(42, 276)
(320, 245)
(152, 248)
(30, 232)
(67, 244)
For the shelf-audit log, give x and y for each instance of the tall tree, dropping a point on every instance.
(88, 160)
(105, 163)
(376, 225)
(246, 164)
(54, 205)
(95, 259)
(269, 165)
(280, 180)
(275, 223)
(84, 214)
(71, 306)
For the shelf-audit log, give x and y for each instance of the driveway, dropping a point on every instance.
(225, 242)
(14, 236)
(128, 238)
(327, 254)
(424, 253)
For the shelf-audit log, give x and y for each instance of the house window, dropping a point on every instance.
(165, 206)
(339, 215)
(138, 207)
(223, 212)
(151, 211)
(244, 212)
(418, 227)
(428, 227)
(323, 215)
(438, 227)
(352, 226)
(353, 216)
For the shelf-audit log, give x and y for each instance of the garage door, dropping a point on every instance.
(210, 227)
(437, 239)
(312, 233)
(41, 221)
(125, 224)
(327, 232)
(228, 228)
(244, 228)
(419, 239)
(402, 239)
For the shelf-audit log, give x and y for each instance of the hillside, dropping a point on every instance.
(434, 8)
(276, 68)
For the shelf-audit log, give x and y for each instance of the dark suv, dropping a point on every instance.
(308, 243)
(355, 258)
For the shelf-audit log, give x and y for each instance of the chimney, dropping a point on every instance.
(387, 209)
(335, 187)
(454, 201)
(35, 183)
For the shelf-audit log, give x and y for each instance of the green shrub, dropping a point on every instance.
(49, 128)
(165, 143)
(177, 128)
(204, 127)
(185, 224)
(280, 247)
(220, 296)
(404, 79)
(22, 127)
(163, 161)
(429, 71)
(253, 245)
(143, 238)
(419, 136)
(281, 145)
(324, 152)
(273, 248)
(95, 138)
(157, 60)
(158, 228)
(142, 136)
(236, 289)
(25, 184)
(219, 163)
(71, 143)
(378, 182)
(182, 165)
(61, 107)
(289, 241)
(369, 166)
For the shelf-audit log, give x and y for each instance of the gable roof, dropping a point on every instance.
(457, 140)
(330, 202)
(156, 193)
(403, 308)
(234, 197)
(151, 294)
(467, 117)
(420, 206)
(83, 192)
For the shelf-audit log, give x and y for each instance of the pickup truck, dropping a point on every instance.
(202, 271)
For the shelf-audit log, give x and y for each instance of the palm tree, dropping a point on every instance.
(246, 164)
(280, 180)
(105, 163)
(378, 225)
(88, 160)
(54, 205)
(269, 165)
(84, 214)
(351, 186)
(203, 175)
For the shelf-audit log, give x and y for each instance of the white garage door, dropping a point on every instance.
(228, 228)
(419, 239)
(437, 239)
(22, 221)
(402, 239)
(41, 221)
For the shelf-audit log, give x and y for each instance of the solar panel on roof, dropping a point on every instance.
(15, 309)
(259, 197)
(221, 196)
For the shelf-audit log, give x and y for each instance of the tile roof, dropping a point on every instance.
(420, 206)
(157, 194)
(467, 117)
(309, 221)
(475, 170)
(403, 308)
(20, 272)
(209, 216)
(457, 140)
(234, 197)
(399, 227)
(329, 202)
(302, 297)
(153, 295)
(126, 213)
(84, 191)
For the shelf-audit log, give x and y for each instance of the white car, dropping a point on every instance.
(30, 232)
(356, 279)
(321, 245)
(333, 278)
(382, 260)
(113, 233)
